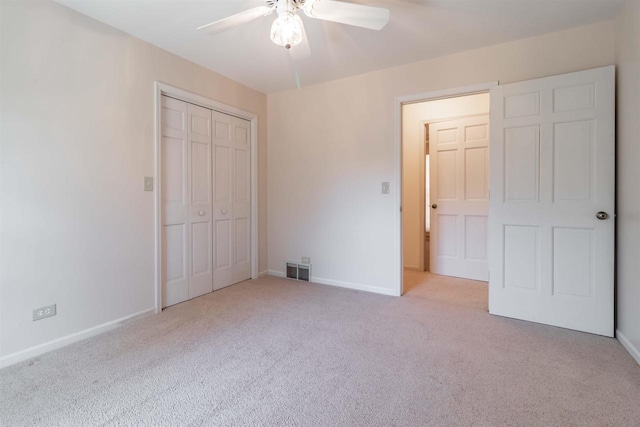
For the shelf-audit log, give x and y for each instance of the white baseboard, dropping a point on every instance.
(341, 284)
(263, 273)
(39, 349)
(276, 273)
(635, 353)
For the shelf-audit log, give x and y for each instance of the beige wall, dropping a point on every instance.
(77, 139)
(413, 205)
(332, 144)
(628, 176)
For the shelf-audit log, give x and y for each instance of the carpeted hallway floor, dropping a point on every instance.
(279, 352)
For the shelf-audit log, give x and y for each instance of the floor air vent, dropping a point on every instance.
(298, 271)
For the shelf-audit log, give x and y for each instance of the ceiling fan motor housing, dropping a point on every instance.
(283, 6)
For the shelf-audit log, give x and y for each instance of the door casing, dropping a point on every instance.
(192, 98)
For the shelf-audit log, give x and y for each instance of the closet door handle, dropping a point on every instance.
(201, 213)
(224, 211)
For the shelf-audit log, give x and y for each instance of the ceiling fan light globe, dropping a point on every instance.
(286, 30)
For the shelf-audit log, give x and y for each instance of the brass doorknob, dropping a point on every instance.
(434, 206)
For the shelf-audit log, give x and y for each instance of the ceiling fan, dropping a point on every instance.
(288, 31)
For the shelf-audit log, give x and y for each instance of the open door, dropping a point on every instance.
(552, 220)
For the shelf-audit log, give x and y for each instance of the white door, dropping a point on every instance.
(174, 202)
(242, 200)
(205, 199)
(199, 195)
(552, 204)
(232, 200)
(186, 201)
(459, 184)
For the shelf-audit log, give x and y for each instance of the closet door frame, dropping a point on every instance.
(192, 98)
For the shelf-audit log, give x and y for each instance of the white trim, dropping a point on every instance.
(422, 211)
(276, 273)
(174, 92)
(397, 193)
(398, 102)
(263, 273)
(341, 284)
(156, 199)
(37, 350)
(633, 351)
(254, 197)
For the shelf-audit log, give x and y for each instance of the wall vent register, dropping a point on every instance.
(298, 271)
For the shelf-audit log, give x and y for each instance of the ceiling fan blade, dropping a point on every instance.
(373, 18)
(301, 50)
(239, 18)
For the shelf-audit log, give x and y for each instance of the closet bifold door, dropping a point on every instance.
(200, 206)
(242, 200)
(231, 198)
(185, 201)
(173, 202)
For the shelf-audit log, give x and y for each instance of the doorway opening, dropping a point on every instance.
(443, 140)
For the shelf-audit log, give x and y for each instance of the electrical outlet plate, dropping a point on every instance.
(44, 312)
(306, 260)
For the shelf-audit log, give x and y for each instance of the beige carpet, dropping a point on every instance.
(280, 352)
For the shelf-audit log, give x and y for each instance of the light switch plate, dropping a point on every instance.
(385, 188)
(148, 183)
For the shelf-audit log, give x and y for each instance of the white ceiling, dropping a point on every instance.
(417, 30)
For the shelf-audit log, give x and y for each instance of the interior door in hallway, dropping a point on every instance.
(232, 200)
(459, 183)
(552, 204)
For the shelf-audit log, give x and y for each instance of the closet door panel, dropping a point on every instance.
(200, 206)
(242, 200)
(223, 230)
(174, 202)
